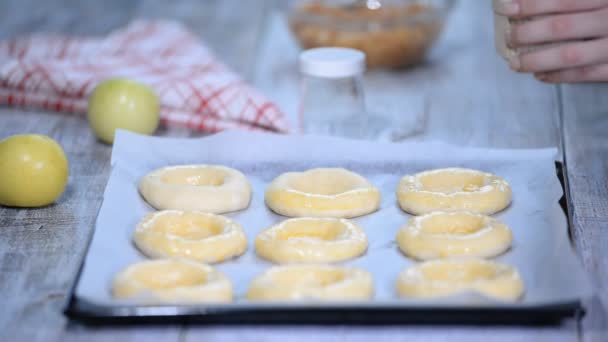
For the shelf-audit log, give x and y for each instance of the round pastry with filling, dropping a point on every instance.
(311, 240)
(311, 282)
(456, 234)
(171, 281)
(196, 235)
(209, 188)
(440, 278)
(453, 189)
(322, 192)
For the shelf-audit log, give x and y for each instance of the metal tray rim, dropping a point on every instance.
(87, 312)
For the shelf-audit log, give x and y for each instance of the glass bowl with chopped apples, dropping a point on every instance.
(391, 33)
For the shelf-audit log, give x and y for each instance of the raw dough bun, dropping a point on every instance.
(171, 281)
(194, 235)
(311, 240)
(323, 192)
(453, 189)
(210, 188)
(458, 234)
(446, 277)
(312, 282)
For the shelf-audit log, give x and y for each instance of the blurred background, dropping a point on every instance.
(422, 55)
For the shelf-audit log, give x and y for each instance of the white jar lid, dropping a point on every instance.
(332, 62)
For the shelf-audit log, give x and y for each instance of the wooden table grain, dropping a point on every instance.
(464, 95)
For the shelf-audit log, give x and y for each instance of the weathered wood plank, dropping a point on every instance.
(386, 333)
(61, 16)
(585, 123)
(41, 248)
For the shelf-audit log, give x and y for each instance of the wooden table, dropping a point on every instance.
(464, 95)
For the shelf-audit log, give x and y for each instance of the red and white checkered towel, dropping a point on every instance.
(195, 89)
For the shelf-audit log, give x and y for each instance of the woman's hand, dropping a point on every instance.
(560, 20)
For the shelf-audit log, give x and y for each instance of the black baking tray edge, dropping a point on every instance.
(91, 313)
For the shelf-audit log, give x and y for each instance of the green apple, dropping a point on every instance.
(33, 171)
(122, 103)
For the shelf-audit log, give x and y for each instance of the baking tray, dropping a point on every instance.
(542, 251)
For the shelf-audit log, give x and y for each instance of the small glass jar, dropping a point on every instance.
(331, 99)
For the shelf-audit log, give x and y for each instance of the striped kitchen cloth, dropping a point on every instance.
(196, 90)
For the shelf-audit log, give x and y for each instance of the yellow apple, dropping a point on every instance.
(122, 103)
(33, 171)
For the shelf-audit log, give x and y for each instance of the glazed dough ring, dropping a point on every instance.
(453, 189)
(322, 192)
(171, 281)
(194, 235)
(311, 240)
(457, 234)
(312, 282)
(446, 277)
(210, 188)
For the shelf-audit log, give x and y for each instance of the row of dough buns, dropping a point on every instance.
(319, 199)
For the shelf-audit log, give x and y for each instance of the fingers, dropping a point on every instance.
(562, 57)
(524, 8)
(560, 27)
(584, 21)
(590, 73)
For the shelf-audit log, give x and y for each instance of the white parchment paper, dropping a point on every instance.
(541, 248)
